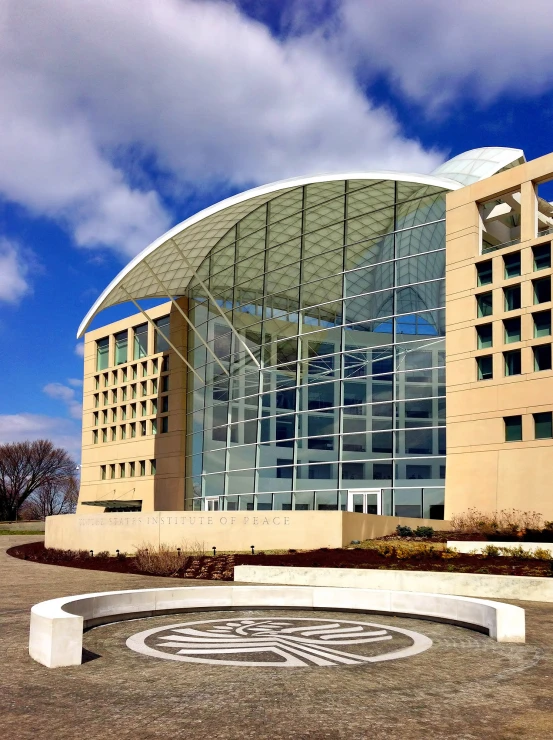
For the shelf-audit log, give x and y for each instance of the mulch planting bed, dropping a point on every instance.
(221, 567)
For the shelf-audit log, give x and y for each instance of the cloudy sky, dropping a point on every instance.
(120, 118)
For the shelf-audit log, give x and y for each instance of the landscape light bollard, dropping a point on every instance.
(178, 551)
(92, 553)
(253, 552)
(117, 551)
(214, 551)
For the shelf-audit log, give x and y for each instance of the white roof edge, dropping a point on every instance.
(292, 182)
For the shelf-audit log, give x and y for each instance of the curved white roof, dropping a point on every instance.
(197, 235)
(477, 164)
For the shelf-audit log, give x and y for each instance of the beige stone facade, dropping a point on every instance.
(499, 355)
(133, 418)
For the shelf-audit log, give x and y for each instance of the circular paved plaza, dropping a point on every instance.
(267, 674)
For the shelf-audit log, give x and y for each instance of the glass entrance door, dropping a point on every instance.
(212, 504)
(365, 500)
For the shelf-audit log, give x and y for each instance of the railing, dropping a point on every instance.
(487, 247)
(544, 232)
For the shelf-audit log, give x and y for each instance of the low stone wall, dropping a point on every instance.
(231, 531)
(518, 588)
(478, 546)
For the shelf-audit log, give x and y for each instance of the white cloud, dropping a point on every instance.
(13, 273)
(75, 382)
(20, 427)
(66, 395)
(91, 90)
(437, 51)
(79, 349)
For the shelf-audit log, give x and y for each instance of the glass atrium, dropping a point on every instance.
(337, 289)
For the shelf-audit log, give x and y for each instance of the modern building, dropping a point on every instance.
(317, 338)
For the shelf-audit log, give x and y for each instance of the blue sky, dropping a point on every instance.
(121, 119)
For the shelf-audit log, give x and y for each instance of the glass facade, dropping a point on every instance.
(337, 288)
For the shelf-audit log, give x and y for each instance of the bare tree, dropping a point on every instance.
(26, 467)
(55, 497)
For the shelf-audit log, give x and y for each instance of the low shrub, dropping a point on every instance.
(102, 554)
(404, 531)
(424, 532)
(507, 522)
(160, 561)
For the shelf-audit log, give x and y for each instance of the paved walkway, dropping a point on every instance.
(465, 687)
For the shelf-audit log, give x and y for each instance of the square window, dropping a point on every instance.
(543, 425)
(484, 336)
(542, 357)
(484, 366)
(513, 364)
(484, 304)
(512, 330)
(484, 274)
(542, 256)
(542, 290)
(513, 428)
(511, 263)
(382, 471)
(512, 298)
(542, 323)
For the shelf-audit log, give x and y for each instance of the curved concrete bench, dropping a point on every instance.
(56, 635)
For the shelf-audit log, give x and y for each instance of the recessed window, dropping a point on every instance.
(121, 347)
(102, 353)
(114, 434)
(114, 396)
(511, 264)
(143, 430)
(484, 336)
(133, 390)
(96, 400)
(123, 413)
(114, 377)
(114, 414)
(543, 425)
(106, 379)
(144, 369)
(102, 472)
(513, 428)
(134, 371)
(484, 366)
(154, 407)
(500, 221)
(140, 341)
(142, 467)
(484, 304)
(542, 256)
(143, 408)
(124, 393)
(484, 274)
(121, 470)
(133, 410)
(112, 471)
(125, 375)
(164, 383)
(164, 404)
(542, 290)
(161, 336)
(104, 416)
(123, 429)
(542, 323)
(95, 437)
(133, 429)
(542, 357)
(132, 469)
(512, 330)
(154, 367)
(512, 298)
(154, 426)
(95, 418)
(105, 398)
(164, 424)
(165, 364)
(152, 467)
(96, 382)
(154, 386)
(513, 365)
(104, 435)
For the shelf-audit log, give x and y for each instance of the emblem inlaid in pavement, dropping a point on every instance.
(288, 642)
